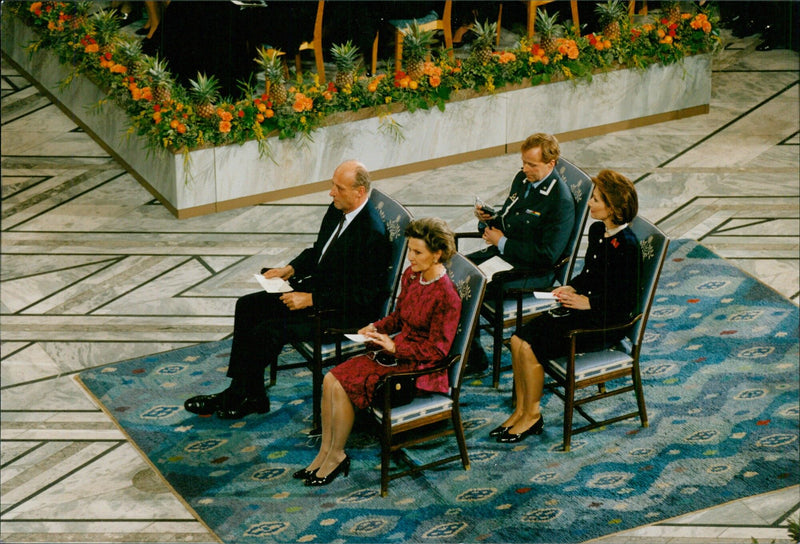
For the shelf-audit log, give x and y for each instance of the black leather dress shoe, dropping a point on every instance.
(498, 431)
(204, 405)
(238, 407)
(512, 438)
(343, 467)
(304, 474)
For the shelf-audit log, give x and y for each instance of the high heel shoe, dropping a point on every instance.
(344, 467)
(512, 438)
(304, 474)
(498, 431)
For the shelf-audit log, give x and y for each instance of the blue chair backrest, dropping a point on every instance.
(580, 184)
(653, 245)
(395, 218)
(470, 284)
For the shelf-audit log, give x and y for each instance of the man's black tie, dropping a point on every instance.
(333, 239)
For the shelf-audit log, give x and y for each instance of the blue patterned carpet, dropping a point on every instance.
(720, 372)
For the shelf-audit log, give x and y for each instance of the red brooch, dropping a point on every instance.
(615, 243)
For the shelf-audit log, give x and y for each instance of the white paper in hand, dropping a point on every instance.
(273, 285)
(359, 338)
(544, 295)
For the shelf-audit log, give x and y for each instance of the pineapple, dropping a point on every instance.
(482, 45)
(346, 58)
(205, 91)
(415, 47)
(610, 15)
(549, 30)
(131, 56)
(106, 24)
(162, 80)
(273, 74)
(674, 12)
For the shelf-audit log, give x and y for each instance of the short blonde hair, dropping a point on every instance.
(546, 142)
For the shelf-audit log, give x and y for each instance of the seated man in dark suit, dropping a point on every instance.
(344, 271)
(532, 228)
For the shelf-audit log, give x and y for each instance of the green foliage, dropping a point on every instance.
(131, 78)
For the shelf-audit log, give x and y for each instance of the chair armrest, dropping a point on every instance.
(443, 364)
(573, 334)
(471, 234)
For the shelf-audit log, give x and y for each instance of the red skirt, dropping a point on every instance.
(361, 374)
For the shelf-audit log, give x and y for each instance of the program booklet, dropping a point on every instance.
(273, 285)
(493, 266)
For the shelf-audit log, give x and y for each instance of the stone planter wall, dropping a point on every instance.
(227, 177)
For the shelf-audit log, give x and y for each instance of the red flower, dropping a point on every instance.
(157, 107)
(665, 21)
(241, 113)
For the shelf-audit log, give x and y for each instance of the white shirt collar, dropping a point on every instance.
(348, 217)
(615, 230)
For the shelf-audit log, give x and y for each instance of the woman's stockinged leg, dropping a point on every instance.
(342, 416)
(519, 384)
(326, 407)
(531, 374)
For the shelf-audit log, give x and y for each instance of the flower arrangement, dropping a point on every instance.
(166, 115)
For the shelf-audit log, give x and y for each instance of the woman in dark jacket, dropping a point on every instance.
(605, 293)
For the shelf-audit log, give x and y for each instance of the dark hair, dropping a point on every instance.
(546, 142)
(436, 235)
(619, 194)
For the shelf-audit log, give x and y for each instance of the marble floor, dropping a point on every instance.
(94, 270)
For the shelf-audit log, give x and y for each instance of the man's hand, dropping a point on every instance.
(492, 235)
(482, 215)
(284, 272)
(297, 301)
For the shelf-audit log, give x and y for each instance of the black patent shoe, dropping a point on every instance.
(205, 405)
(344, 466)
(498, 431)
(512, 438)
(237, 407)
(304, 474)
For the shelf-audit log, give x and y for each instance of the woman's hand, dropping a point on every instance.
(570, 299)
(368, 329)
(383, 340)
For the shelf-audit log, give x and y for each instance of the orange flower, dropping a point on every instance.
(147, 93)
(302, 103)
(261, 107)
(269, 113)
(119, 69)
(224, 115)
(435, 81)
(91, 48)
(686, 15)
(413, 85)
(36, 7)
(259, 118)
(430, 69)
(224, 126)
(157, 117)
(181, 128)
(174, 123)
(505, 57)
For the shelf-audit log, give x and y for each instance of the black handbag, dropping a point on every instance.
(402, 392)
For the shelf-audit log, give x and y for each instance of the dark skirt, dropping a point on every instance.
(547, 334)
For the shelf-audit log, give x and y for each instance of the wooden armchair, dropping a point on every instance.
(410, 424)
(582, 370)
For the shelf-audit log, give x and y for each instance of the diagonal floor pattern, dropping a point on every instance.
(95, 271)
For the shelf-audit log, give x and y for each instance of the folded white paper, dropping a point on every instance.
(544, 294)
(493, 266)
(273, 285)
(360, 338)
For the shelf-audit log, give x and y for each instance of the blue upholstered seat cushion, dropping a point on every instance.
(530, 305)
(422, 406)
(595, 363)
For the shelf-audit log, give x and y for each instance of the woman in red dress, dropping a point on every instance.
(425, 320)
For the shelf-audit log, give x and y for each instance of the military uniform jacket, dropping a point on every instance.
(537, 226)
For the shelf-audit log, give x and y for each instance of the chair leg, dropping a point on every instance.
(458, 428)
(386, 455)
(569, 407)
(316, 392)
(273, 373)
(637, 387)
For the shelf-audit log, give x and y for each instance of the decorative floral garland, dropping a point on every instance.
(174, 124)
